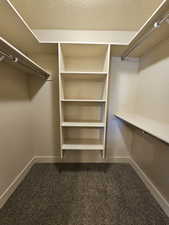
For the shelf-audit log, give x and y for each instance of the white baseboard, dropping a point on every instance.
(151, 187)
(55, 159)
(46, 159)
(12, 187)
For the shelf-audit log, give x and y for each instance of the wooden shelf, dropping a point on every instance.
(83, 100)
(154, 38)
(23, 61)
(82, 124)
(155, 128)
(83, 73)
(82, 147)
(82, 144)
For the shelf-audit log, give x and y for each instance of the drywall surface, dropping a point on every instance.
(45, 109)
(86, 14)
(123, 84)
(151, 154)
(15, 142)
(122, 93)
(44, 117)
(153, 89)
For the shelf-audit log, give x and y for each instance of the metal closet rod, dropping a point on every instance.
(16, 60)
(144, 37)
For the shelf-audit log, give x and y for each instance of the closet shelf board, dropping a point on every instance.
(83, 100)
(83, 72)
(155, 128)
(82, 124)
(82, 147)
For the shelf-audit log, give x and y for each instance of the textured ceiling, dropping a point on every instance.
(86, 14)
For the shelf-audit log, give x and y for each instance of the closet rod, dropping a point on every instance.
(16, 60)
(156, 25)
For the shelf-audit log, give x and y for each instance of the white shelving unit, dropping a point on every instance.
(83, 88)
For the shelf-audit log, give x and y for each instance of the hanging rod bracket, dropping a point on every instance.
(2, 58)
(156, 25)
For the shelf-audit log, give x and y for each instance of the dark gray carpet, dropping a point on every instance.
(82, 194)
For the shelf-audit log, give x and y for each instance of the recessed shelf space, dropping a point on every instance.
(83, 139)
(84, 86)
(90, 112)
(83, 57)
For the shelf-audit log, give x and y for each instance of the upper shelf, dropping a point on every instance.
(17, 32)
(17, 58)
(155, 37)
(156, 129)
(84, 58)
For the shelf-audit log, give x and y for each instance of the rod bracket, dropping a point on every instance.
(2, 58)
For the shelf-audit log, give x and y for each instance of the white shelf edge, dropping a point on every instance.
(82, 124)
(82, 100)
(24, 57)
(156, 129)
(83, 42)
(82, 147)
(83, 72)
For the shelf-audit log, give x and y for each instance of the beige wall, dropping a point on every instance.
(153, 87)
(122, 94)
(151, 154)
(15, 140)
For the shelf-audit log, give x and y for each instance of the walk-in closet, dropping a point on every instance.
(84, 112)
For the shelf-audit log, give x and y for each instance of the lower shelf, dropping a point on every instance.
(82, 147)
(82, 124)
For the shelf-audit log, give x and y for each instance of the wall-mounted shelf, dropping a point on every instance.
(17, 58)
(83, 100)
(82, 124)
(82, 73)
(150, 39)
(82, 147)
(155, 128)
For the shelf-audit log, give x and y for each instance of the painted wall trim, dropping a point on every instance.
(57, 159)
(151, 187)
(15, 183)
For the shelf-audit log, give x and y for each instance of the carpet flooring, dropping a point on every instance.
(82, 194)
